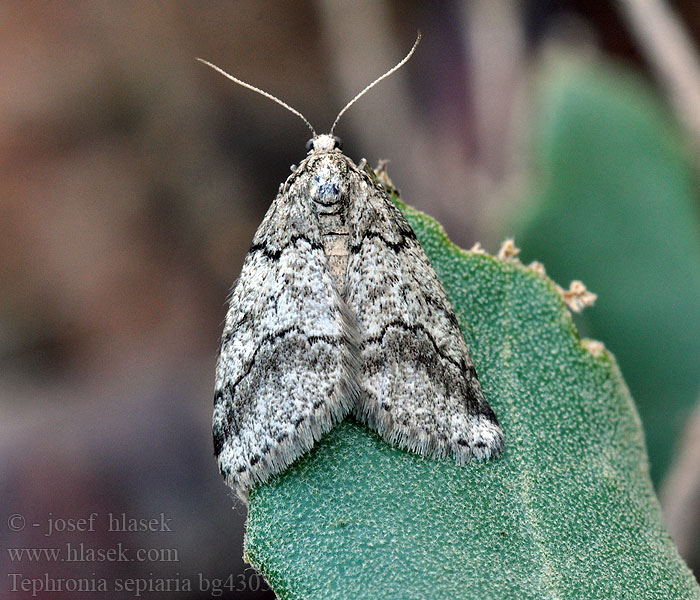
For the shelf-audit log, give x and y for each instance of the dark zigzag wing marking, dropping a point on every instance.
(420, 388)
(283, 372)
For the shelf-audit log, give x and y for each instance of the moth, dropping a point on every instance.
(338, 311)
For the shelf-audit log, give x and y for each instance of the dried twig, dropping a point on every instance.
(671, 54)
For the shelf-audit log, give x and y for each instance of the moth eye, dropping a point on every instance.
(310, 144)
(338, 142)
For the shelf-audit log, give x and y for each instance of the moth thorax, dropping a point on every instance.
(327, 189)
(329, 196)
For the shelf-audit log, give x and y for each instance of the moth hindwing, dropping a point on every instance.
(338, 310)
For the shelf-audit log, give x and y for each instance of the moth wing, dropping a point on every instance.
(420, 390)
(283, 374)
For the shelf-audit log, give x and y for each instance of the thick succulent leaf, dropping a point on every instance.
(616, 205)
(567, 512)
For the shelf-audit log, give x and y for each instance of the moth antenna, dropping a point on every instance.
(376, 81)
(262, 92)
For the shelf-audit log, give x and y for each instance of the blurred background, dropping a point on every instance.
(132, 179)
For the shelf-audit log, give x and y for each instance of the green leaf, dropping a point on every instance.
(567, 512)
(616, 205)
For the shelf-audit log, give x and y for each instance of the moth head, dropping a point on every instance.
(324, 143)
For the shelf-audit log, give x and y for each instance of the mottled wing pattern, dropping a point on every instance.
(419, 386)
(282, 378)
